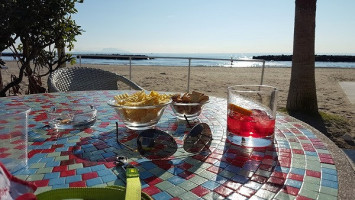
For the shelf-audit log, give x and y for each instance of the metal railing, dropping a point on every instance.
(130, 57)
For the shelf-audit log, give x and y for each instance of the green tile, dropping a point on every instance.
(328, 166)
(312, 158)
(207, 174)
(245, 173)
(54, 154)
(188, 196)
(265, 194)
(23, 177)
(284, 196)
(38, 165)
(198, 180)
(187, 185)
(308, 193)
(310, 179)
(226, 173)
(196, 169)
(263, 173)
(311, 186)
(42, 189)
(298, 156)
(328, 190)
(75, 166)
(175, 191)
(74, 141)
(205, 166)
(192, 161)
(166, 176)
(323, 151)
(326, 197)
(157, 171)
(60, 158)
(45, 170)
(298, 165)
(164, 185)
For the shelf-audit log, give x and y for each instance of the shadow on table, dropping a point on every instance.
(315, 120)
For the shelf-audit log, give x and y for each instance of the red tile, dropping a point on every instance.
(279, 174)
(186, 175)
(232, 185)
(60, 168)
(326, 160)
(67, 173)
(276, 180)
(78, 184)
(291, 190)
(265, 167)
(213, 169)
(259, 179)
(185, 166)
(224, 191)
(272, 187)
(299, 197)
(246, 191)
(41, 183)
(297, 151)
(88, 176)
(153, 180)
(200, 191)
(296, 177)
(313, 173)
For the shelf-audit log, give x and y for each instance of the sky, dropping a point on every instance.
(209, 26)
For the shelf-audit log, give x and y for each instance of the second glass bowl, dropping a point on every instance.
(190, 110)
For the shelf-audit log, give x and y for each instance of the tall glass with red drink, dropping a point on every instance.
(251, 115)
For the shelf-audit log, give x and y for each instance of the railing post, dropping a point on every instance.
(130, 68)
(262, 73)
(80, 60)
(188, 76)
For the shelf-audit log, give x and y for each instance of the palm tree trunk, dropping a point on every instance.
(302, 95)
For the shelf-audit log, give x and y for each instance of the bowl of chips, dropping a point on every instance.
(188, 105)
(140, 111)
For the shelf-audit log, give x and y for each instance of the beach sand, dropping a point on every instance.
(215, 80)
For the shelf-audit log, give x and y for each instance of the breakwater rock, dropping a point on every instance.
(319, 58)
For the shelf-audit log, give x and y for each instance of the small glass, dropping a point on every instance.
(13, 137)
(251, 115)
(72, 116)
(189, 110)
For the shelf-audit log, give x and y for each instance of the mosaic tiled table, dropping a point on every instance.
(297, 166)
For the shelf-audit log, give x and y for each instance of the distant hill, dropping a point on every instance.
(319, 58)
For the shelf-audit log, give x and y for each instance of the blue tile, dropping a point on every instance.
(94, 181)
(293, 183)
(330, 177)
(46, 160)
(109, 178)
(62, 149)
(25, 171)
(60, 186)
(311, 153)
(298, 171)
(52, 175)
(75, 178)
(176, 180)
(148, 165)
(330, 184)
(108, 154)
(83, 170)
(104, 172)
(145, 174)
(175, 170)
(98, 168)
(53, 164)
(220, 179)
(233, 168)
(211, 185)
(329, 171)
(240, 179)
(57, 181)
(162, 196)
(282, 169)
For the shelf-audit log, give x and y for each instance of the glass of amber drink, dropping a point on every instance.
(251, 115)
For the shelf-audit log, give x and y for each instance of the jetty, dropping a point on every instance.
(319, 58)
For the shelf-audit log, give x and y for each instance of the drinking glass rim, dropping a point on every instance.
(238, 88)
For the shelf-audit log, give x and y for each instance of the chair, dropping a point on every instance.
(82, 79)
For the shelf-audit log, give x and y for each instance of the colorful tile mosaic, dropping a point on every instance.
(297, 166)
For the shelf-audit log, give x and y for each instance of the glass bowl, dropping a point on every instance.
(72, 116)
(190, 110)
(139, 117)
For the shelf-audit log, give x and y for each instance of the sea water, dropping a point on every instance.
(200, 62)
